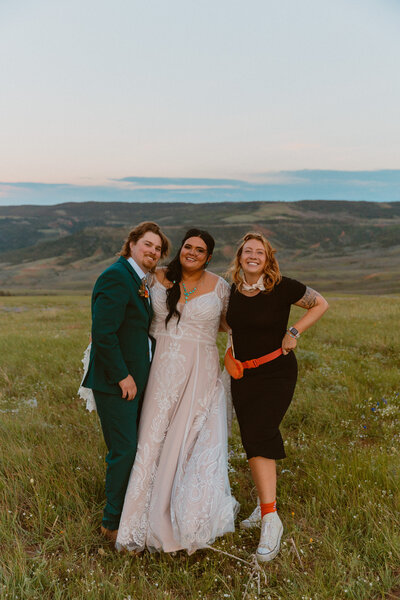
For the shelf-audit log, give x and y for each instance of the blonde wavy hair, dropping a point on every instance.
(272, 274)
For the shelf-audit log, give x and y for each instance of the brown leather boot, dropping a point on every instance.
(109, 534)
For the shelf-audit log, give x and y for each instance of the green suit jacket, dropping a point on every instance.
(120, 331)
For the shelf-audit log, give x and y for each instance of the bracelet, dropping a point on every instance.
(291, 334)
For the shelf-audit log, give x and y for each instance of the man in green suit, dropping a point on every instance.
(120, 357)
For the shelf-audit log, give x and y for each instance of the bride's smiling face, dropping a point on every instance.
(253, 258)
(194, 254)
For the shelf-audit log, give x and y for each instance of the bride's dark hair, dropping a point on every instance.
(174, 271)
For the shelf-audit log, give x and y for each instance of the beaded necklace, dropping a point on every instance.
(186, 293)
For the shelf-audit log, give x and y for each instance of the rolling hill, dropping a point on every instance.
(332, 245)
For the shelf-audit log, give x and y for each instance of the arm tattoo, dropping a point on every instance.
(309, 299)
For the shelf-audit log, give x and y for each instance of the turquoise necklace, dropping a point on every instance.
(186, 293)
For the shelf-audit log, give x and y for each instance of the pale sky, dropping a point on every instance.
(97, 91)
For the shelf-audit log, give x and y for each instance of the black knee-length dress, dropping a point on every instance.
(262, 397)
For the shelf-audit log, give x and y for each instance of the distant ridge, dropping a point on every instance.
(343, 245)
(379, 185)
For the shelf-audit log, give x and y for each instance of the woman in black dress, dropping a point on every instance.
(258, 314)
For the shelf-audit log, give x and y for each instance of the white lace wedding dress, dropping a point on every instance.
(178, 496)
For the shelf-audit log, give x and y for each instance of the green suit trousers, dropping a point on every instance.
(118, 419)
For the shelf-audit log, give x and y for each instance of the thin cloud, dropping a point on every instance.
(376, 186)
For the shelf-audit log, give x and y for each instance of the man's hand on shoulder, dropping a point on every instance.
(160, 274)
(128, 387)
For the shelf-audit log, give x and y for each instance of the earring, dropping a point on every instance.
(206, 263)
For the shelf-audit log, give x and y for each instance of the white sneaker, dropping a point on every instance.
(254, 520)
(270, 539)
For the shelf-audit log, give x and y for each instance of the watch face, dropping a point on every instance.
(294, 331)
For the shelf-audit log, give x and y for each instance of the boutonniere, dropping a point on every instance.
(143, 291)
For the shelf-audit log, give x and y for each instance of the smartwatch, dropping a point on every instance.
(294, 332)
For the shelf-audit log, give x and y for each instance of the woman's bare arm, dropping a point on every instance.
(223, 325)
(315, 305)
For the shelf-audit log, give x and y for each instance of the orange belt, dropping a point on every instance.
(256, 362)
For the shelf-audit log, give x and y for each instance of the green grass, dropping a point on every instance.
(338, 490)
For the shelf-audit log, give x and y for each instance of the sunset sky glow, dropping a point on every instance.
(209, 96)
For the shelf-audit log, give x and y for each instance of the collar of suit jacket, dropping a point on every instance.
(130, 269)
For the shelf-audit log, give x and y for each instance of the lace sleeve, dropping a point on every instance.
(86, 393)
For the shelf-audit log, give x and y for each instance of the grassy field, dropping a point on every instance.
(338, 490)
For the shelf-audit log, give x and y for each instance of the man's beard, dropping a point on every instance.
(149, 261)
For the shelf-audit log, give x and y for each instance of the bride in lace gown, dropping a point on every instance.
(178, 496)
